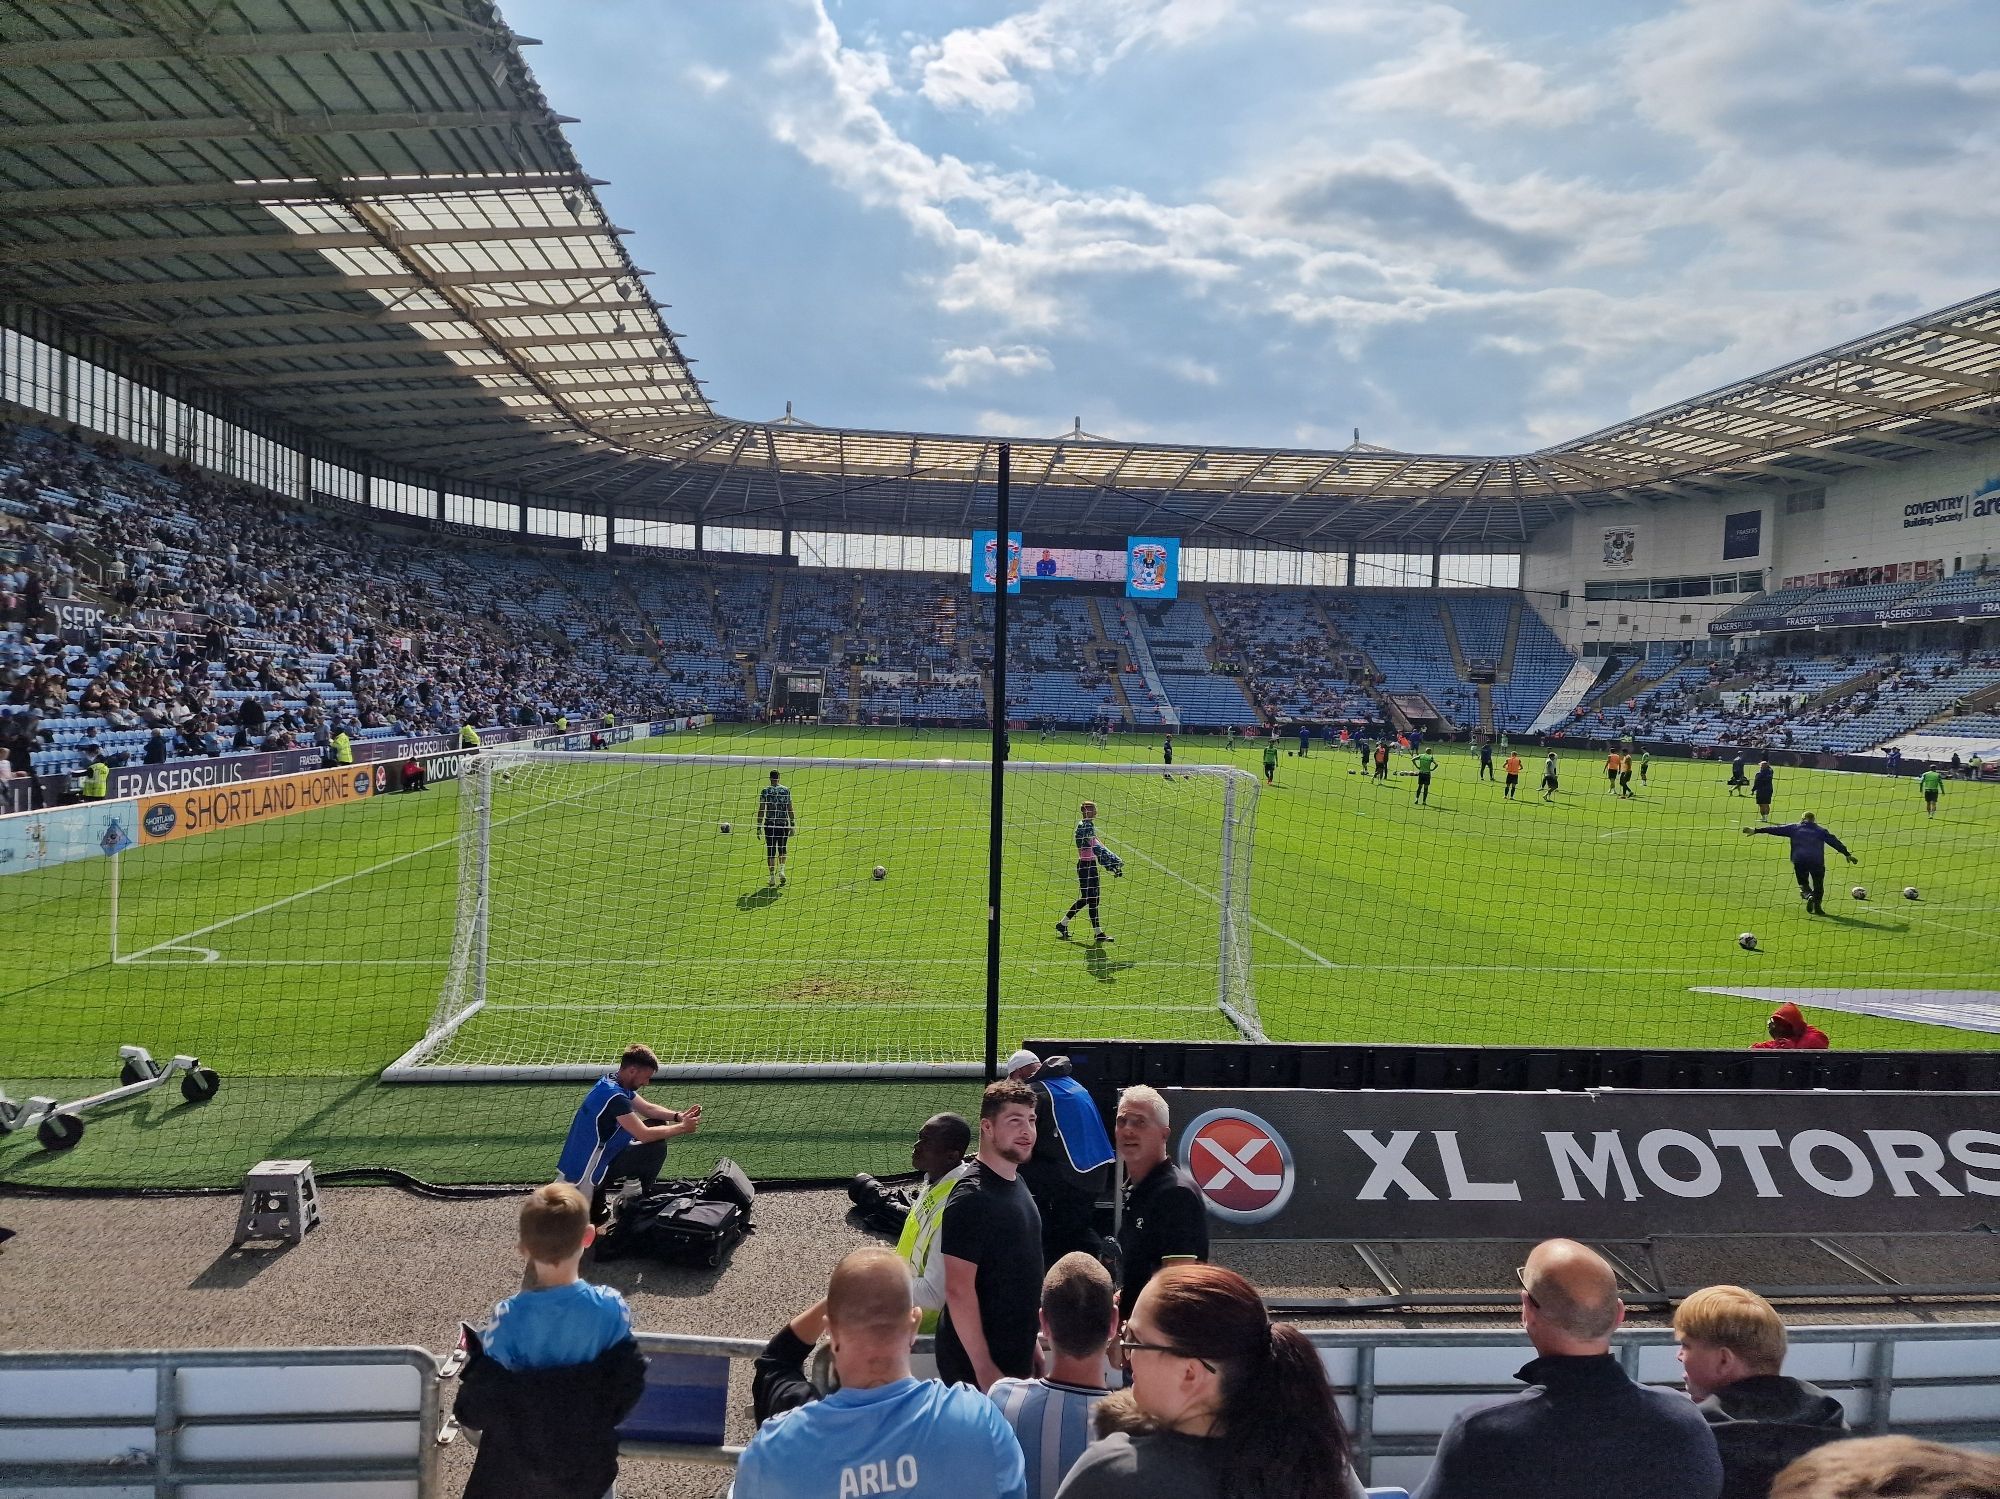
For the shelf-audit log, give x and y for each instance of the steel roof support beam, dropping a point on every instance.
(381, 316)
(203, 194)
(348, 348)
(285, 286)
(62, 251)
(297, 44)
(239, 127)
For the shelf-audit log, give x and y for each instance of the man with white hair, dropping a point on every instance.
(1165, 1221)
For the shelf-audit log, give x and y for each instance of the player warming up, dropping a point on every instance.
(1549, 781)
(1271, 759)
(1931, 782)
(775, 822)
(1425, 762)
(1810, 842)
(1090, 857)
(1513, 774)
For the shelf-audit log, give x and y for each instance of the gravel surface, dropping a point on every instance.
(389, 1267)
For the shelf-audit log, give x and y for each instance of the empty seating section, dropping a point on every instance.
(1404, 637)
(1535, 670)
(1047, 641)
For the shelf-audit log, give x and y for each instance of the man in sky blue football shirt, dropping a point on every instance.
(883, 1431)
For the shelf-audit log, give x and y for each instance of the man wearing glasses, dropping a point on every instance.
(1165, 1221)
(1583, 1428)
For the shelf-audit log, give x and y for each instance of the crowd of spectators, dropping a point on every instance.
(1157, 1376)
(234, 623)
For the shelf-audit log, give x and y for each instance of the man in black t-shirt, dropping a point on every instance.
(992, 1247)
(1165, 1220)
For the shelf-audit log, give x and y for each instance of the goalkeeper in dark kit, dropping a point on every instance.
(1091, 857)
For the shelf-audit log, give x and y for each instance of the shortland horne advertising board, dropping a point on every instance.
(211, 809)
(1303, 1164)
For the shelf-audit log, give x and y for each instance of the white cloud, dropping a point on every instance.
(981, 363)
(985, 68)
(707, 79)
(1608, 292)
(1452, 72)
(1182, 367)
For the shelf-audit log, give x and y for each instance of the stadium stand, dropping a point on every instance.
(1402, 636)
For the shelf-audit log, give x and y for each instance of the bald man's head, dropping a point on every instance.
(869, 1294)
(1573, 1292)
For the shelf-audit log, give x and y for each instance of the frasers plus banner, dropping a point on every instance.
(1304, 1164)
(1742, 535)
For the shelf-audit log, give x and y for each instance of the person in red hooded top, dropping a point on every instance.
(1790, 1032)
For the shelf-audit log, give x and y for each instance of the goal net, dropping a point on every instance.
(609, 898)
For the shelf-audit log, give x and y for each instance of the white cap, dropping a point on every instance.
(1020, 1059)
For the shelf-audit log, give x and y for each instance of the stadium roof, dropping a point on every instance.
(362, 216)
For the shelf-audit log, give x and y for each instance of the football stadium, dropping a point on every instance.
(415, 692)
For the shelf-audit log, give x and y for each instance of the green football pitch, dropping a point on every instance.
(300, 957)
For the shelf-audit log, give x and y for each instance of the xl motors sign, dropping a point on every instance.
(1302, 1164)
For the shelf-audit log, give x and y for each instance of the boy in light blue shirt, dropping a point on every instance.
(882, 1432)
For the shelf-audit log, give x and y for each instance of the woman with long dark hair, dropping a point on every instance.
(1224, 1403)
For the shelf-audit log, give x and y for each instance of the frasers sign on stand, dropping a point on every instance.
(1316, 1165)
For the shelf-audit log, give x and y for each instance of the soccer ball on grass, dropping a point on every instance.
(1859, 892)
(1748, 941)
(881, 873)
(1909, 892)
(725, 827)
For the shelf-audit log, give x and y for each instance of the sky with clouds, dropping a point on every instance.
(1470, 229)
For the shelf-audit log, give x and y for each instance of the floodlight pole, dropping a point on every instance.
(996, 815)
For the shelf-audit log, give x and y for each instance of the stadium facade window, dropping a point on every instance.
(1264, 567)
(341, 483)
(470, 510)
(1392, 569)
(1479, 570)
(27, 371)
(632, 531)
(408, 499)
(879, 553)
(543, 522)
(742, 539)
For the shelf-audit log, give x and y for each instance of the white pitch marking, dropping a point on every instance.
(286, 900)
(1261, 925)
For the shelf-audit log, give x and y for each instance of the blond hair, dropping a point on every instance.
(1739, 1320)
(1876, 1467)
(554, 1221)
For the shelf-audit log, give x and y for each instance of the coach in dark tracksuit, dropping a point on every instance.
(1810, 842)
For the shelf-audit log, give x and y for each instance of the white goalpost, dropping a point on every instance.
(606, 898)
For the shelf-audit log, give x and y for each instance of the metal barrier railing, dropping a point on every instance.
(173, 1419)
(306, 1416)
(1353, 1358)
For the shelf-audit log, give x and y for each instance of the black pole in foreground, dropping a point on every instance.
(996, 819)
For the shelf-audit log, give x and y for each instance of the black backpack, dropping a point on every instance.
(683, 1221)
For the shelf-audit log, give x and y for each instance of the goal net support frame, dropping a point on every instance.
(466, 990)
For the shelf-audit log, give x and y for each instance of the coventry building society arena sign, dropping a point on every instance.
(1303, 1164)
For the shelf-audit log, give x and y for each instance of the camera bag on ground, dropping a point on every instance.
(683, 1221)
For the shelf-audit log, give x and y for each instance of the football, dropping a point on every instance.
(1909, 892)
(725, 827)
(1859, 892)
(881, 873)
(1748, 941)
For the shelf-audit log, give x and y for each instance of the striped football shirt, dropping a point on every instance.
(1052, 1423)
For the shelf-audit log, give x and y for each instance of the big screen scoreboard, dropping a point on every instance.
(1148, 566)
